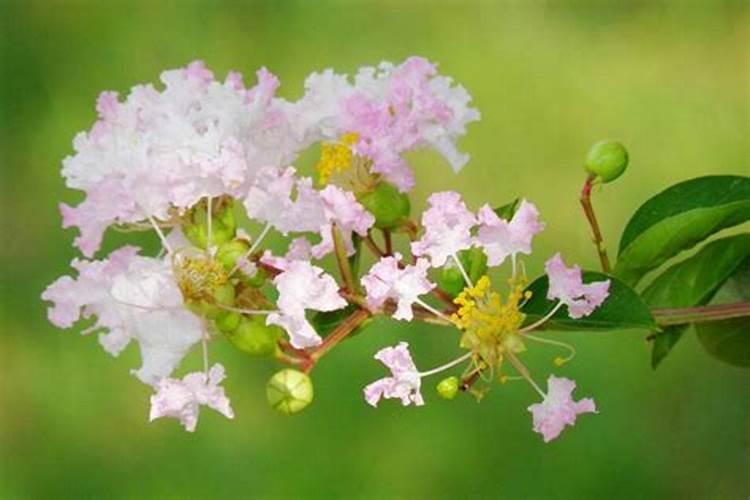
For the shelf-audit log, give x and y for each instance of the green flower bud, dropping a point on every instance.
(228, 253)
(606, 160)
(448, 388)
(451, 280)
(228, 321)
(289, 391)
(254, 337)
(389, 207)
(224, 294)
(223, 225)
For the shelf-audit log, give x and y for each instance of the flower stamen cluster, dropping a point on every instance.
(183, 159)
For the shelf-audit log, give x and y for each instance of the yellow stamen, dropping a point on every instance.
(198, 277)
(336, 157)
(491, 324)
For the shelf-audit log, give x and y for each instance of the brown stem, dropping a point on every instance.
(342, 259)
(337, 335)
(373, 246)
(681, 316)
(588, 209)
(388, 242)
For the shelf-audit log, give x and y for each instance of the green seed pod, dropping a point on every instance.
(228, 321)
(606, 160)
(389, 207)
(451, 280)
(223, 225)
(224, 294)
(448, 388)
(289, 391)
(229, 252)
(254, 337)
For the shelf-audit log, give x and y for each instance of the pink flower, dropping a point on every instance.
(566, 285)
(182, 399)
(393, 109)
(299, 249)
(289, 204)
(88, 294)
(500, 238)
(386, 280)
(448, 224)
(303, 286)
(558, 408)
(164, 149)
(133, 298)
(342, 209)
(405, 382)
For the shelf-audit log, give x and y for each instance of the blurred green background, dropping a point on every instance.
(670, 80)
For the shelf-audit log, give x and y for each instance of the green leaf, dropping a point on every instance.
(325, 322)
(622, 309)
(693, 282)
(664, 341)
(729, 340)
(678, 218)
(508, 211)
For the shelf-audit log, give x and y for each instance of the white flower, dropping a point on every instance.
(404, 384)
(182, 399)
(303, 286)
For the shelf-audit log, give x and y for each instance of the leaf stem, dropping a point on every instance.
(681, 316)
(588, 209)
(340, 333)
(342, 259)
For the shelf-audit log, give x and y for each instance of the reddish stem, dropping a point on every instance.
(588, 209)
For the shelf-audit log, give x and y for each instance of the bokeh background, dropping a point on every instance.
(669, 79)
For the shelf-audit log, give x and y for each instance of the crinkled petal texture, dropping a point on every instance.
(558, 409)
(500, 238)
(386, 280)
(289, 204)
(162, 149)
(182, 399)
(405, 382)
(566, 285)
(343, 210)
(393, 109)
(448, 224)
(132, 297)
(299, 249)
(303, 286)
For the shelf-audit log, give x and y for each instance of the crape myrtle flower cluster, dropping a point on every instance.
(187, 158)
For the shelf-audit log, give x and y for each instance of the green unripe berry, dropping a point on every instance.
(223, 225)
(389, 206)
(229, 252)
(224, 294)
(254, 337)
(228, 321)
(448, 388)
(606, 161)
(289, 391)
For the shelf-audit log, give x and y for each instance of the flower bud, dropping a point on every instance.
(289, 391)
(451, 279)
(606, 161)
(223, 225)
(254, 337)
(228, 321)
(448, 388)
(228, 253)
(389, 206)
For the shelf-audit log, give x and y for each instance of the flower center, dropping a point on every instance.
(336, 157)
(199, 277)
(490, 324)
